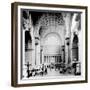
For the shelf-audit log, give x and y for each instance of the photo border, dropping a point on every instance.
(14, 43)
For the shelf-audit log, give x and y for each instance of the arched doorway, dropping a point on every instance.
(52, 49)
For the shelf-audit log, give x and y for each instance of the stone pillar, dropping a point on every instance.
(23, 71)
(44, 59)
(67, 58)
(41, 55)
(50, 60)
(55, 59)
(33, 47)
(58, 59)
(68, 21)
(63, 54)
(47, 59)
(37, 51)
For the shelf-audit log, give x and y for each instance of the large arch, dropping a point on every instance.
(47, 25)
(52, 48)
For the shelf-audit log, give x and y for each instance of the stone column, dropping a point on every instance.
(37, 57)
(44, 59)
(68, 21)
(35, 53)
(67, 51)
(23, 71)
(47, 59)
(63, 54)
(50, 59)
(58, 59)
(55, 59)
(41, 54)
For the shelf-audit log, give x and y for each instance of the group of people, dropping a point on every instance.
(42, 70)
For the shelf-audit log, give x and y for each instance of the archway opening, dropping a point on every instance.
(52, 49)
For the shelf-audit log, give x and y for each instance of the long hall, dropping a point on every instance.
(52, 43)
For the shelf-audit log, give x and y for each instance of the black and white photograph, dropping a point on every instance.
(51, 44)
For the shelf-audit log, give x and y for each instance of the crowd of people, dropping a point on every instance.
(43, 70)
